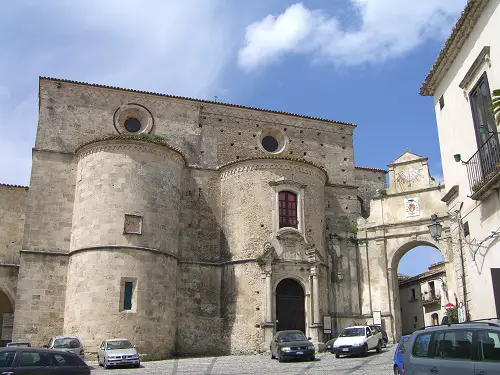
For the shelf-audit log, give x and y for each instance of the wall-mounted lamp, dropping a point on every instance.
(340, 276)
(435, 228)
(483, 129)
(457, 157)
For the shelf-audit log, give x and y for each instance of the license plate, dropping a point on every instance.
(345, 350)
(299, 353)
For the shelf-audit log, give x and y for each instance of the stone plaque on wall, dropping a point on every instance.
(411, 207)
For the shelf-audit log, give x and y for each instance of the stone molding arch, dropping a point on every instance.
(273, 163)
(10, 295)
(118, 144)
(296, 278)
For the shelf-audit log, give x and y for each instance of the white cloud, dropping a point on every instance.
(168, 46)
(387, 29)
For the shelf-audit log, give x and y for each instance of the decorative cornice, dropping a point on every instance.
(371, 169)
(452, 193)
(278, 163)
(430, 188)
(122, 143)
(453, 45)
(481, 59)
(193, 100)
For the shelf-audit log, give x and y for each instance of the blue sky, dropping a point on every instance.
(359, 61)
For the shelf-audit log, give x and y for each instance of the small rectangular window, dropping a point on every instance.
(412, 294)
(466, 229)
(441, 102)
(127, 295)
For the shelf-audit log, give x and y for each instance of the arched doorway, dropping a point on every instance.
(6, 318)
(290, 306)
(419, 276)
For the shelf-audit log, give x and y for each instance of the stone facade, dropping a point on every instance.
(166, 228)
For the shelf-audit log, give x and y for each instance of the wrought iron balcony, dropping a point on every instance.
(483, 168)
(427, 299)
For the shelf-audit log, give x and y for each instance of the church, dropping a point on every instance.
(195, 227)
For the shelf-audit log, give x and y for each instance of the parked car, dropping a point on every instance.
(117, 352)
(19, 360)
(18, 344)
(69, 344)
(467, 348)
(292, 345)
(357, 340)
(399, 355)
(385, 338)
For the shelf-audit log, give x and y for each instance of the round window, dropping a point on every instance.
(272, 140)
(270, 143)
(132, 125)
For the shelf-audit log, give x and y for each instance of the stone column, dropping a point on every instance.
(269, 298)
(315, 285)
(268, 316)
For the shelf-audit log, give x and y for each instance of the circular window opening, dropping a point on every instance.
(132, 125)
(270, 143)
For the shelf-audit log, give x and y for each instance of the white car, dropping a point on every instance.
(117, 352)
(356, 340)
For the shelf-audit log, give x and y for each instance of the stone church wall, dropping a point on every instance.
(12, 213)
(369, 181)
(49, 206)
(40, 297)
(94, 297)
(199, 302)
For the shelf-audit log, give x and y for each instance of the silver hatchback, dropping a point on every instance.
(117, 352)
(71, 344)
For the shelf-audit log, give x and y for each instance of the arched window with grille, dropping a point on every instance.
(288, 209)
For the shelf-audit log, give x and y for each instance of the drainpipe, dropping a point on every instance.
(464, 287)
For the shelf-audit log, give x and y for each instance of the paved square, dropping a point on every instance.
(326, 363)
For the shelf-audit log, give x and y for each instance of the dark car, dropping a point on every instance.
(292, 345)
(399, 354)
(17, 360)
(19, 344)
(379, 328)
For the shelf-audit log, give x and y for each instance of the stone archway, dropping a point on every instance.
(398, 222)
(290, 306)
(6, 318)
(393, 262)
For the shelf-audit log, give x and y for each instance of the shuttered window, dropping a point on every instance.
(288, 209)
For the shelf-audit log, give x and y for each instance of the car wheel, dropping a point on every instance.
(384, 343)
(365, 350)
(396, 370)
(312, 359)
(137, 365)
(280, 358)
(379, 347)
(337, 355)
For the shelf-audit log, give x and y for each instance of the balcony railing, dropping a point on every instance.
(430, 298)
(483, 168)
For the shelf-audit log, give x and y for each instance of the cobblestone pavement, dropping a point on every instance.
(326, 363)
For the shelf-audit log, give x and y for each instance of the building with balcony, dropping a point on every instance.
(423, 298)
(461, 81)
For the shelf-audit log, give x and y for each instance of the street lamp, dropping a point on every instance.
(435, 228)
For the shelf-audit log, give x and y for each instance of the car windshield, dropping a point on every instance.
(352, 332)
(66, 343)
(295, 336)
(119, 344)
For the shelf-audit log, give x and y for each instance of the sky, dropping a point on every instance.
(358, 61)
